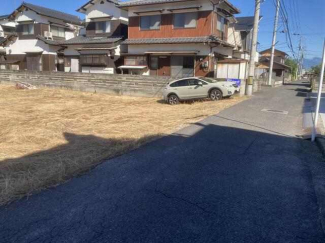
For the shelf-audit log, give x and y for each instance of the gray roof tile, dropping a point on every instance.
(81, 40)
(68, 18)
(181, 40)
(4, 16)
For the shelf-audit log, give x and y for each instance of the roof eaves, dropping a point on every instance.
(148, 2)
(68, 18)
(92, 2)
(237, 10)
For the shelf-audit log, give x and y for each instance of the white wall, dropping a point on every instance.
(69, 35)
(232, 70)
(6, 22)
(234, 37)
(107, 70)
(30, 16)
(23, 46)
(105, 10)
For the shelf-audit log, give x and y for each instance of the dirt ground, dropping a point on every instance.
(51, 135)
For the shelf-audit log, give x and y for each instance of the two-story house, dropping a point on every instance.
(7, 32)
(177, 38)
(7, 27)
(34, 24)
(281, 71)
(97, 49)
(240, 34)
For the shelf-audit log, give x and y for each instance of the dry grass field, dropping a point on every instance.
(50, 135)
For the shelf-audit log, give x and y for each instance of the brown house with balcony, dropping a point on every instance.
(177, 38)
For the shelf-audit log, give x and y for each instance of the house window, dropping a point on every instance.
(28, 29)
(103, 27)
(185, 20)
(221, 23)
(58, 31)
(150, 22)
(135, 61)
(93, 60)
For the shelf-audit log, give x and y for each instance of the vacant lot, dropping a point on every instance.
(49, 135)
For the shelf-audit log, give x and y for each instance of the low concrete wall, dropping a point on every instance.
(147, 86)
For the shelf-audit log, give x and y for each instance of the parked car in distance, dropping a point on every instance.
(197, 88)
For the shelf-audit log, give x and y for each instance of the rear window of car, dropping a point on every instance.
(180, 83)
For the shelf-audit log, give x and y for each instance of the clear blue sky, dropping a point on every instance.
(305, 16)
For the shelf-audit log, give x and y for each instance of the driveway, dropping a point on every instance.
(240, 176)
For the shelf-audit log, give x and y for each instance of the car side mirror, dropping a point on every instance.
(200, 83)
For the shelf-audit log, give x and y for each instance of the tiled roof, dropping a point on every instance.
(81, 40)
(91, 40)
(181, 40)
(68, 18)
(48, 41)
(132, 3)
(4, 17)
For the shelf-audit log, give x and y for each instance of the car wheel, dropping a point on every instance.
(173, 99)
(215, 94)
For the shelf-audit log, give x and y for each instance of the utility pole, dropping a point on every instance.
(319, 96)
(251, 73)
(298, 59)
(274, 41)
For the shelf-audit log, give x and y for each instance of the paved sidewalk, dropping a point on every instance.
(240, 176)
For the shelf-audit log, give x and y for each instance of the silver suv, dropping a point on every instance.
(197, 88)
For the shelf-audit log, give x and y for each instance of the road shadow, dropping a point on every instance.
(40, 170)
(302, 84)
(206, 183)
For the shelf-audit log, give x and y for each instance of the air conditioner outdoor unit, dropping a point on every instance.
(48, 35)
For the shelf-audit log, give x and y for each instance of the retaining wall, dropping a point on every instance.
(148, 86)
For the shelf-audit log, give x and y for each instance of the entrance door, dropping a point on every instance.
(188, 66)
(74, 65)
(60, 64)
(164, 66)
(34, 62)
(177, 66)
(182, 66)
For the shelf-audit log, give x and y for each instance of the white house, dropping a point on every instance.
(38, 31)
(98, 49)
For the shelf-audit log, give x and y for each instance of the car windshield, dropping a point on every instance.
(209, 80)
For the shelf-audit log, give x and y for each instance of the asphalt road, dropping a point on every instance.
(239, 176)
